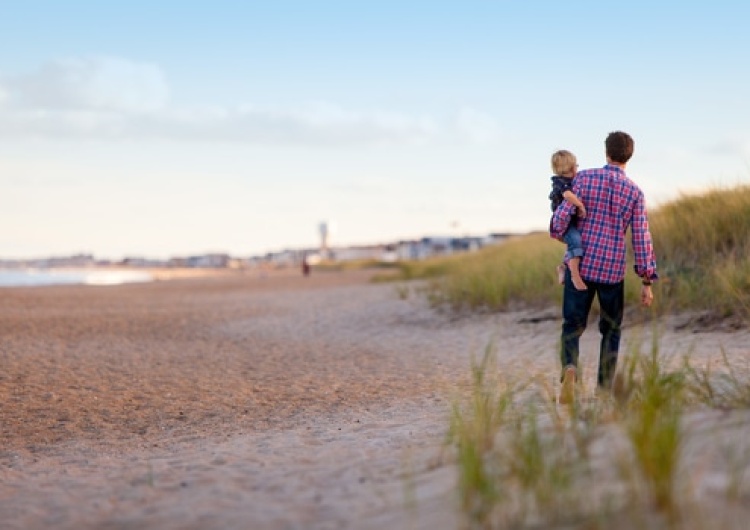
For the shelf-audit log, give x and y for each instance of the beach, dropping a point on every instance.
(249, 400)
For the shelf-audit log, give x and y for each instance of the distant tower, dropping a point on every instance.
(324, 234)
(327, 230)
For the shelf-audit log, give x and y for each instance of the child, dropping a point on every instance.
(564, 168)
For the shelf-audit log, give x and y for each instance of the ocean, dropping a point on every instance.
(40, 277)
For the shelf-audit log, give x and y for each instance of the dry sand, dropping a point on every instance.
(251, 401)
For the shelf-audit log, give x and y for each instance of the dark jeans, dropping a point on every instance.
(576, 307)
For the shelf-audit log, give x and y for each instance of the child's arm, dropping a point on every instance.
(573, 199)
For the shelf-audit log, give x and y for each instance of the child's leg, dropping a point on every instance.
(575, 251)
(575, 274)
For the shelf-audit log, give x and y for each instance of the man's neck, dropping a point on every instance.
(616, 164)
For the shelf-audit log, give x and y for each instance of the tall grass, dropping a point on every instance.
(513, 465)
(655, 407)
(702, 244)
(615, 461)
(718, 387)
(473, 430)
(424, 269)
(520, 269)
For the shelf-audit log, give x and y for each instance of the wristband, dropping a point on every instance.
(647, 283)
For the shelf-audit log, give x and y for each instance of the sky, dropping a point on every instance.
(173, 128)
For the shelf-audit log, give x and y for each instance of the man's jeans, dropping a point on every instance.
(576, 307)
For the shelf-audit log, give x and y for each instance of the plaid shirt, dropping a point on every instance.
(613, 204)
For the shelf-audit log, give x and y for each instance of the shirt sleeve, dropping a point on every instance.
(643, 248)
(561, 220)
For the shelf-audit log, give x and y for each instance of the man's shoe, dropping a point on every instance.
(603, 394)
(568, 389)
(620, 389)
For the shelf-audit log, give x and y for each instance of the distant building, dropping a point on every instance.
(415, 249)
(355, 253)
(142, 262)
(76, 261)
(209, 261)
(205, 261)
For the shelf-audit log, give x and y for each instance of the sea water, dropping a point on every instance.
(39, 277)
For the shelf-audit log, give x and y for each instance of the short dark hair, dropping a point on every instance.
(620, 146)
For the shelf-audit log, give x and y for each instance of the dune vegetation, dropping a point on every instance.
(702, 245)
(634, 458)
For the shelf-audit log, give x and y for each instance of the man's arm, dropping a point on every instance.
(572, 198)
(561, 220)
(647, 295)
(643, 248)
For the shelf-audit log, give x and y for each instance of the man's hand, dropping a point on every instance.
(582, 211)
(647, 296)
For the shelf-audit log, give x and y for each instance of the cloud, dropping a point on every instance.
(112, 98)
(93, 83)
(736, 146)
(476, 126)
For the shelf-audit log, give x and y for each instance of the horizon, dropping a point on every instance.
(280, 250)
(134, 131)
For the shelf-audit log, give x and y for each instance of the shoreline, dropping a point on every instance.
(107, 275)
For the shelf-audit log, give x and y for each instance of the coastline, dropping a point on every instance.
(101, 275)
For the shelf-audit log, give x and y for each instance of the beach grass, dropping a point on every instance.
(654, 408)
(609, 460)
(474, 426)
(352, 265)
(720, 387)
(702, 243)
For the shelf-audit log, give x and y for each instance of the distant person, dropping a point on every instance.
(614, 204)
(305, 267)
(564, 167)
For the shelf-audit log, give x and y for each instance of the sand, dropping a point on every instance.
(252, 400)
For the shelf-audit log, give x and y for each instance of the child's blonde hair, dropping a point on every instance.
(563, 161)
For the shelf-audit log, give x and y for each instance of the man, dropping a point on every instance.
(614, 203)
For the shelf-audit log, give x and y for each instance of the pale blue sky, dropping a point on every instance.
(170, 128)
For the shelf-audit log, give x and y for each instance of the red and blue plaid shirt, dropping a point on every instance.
(613, 203)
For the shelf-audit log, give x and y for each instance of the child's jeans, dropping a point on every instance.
(572, 238)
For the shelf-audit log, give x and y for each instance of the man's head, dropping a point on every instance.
(564, 163)
(619, 147)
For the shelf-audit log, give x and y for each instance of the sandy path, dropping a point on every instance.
(247, 402)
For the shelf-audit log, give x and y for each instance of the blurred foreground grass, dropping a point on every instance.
(633, 458)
